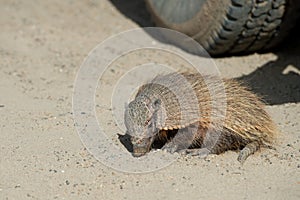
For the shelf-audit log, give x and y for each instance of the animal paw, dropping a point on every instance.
(170, 147)
(201, 153)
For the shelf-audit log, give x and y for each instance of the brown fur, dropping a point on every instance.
(246, 125)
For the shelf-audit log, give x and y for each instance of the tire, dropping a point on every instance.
(228, 26)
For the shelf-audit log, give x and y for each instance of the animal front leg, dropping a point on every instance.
(201, 153)
(181, 141)
(206, 144)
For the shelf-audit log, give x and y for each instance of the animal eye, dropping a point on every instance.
(147, 122)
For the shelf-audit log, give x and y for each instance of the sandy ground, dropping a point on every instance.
(42, 45)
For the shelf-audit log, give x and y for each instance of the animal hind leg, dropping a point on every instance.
(247, 151)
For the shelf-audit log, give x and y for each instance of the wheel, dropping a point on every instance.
(228, 26)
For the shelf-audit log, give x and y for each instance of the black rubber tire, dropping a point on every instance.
(228, 26)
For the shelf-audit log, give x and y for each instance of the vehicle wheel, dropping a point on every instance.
(228, 26)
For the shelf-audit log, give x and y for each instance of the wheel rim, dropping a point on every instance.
(176, 11)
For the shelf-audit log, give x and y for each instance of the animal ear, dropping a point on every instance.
(156, 104)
